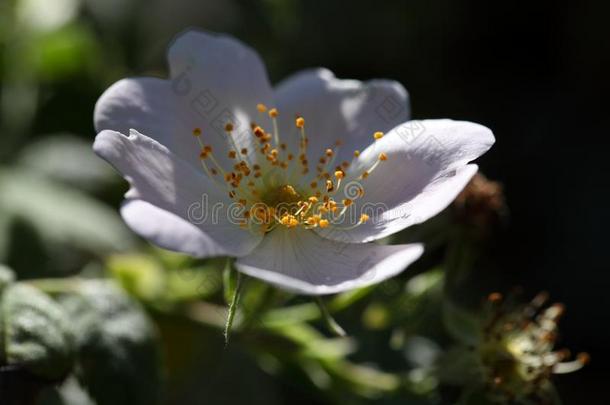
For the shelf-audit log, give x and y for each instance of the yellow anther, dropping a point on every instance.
(300, 122)
(259, 132)
(313, 199)
(243, 201)
(378, 135)
(244, 151)
(356, 153)
(207, 148)
(312, 220)
(347, 202)
(365, 174)
(329, 152)
(364, 218)
(232, 154)
(339, 174)
(228, 127)
(197, 131)
(323, 223)
(273, 113)
(383, 156)
(289, 221)
(203, 154)
(329, 185)
(261, 107)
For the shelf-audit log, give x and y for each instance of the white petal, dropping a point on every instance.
(168, 230)
(426, 169)
(214, 80)
(162, 179)
(149, 106)
(217, 79)
(334, 109)
(301, 261)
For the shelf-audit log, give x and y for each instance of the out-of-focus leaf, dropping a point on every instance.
(28, 253)
(421, 351)
(68, 159)
(139, 274)
(149, 280)
(7, 276)
(44, 16)
(118, 360)
(376, 316)
(192, 283)
(464, 326)
(419, 302)
(61, 214)
(5, 228)
(35, 333)
(65, 52)
(460, 366)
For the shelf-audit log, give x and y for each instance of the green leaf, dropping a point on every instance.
(34, 332)
(61, 214)
(117, 345)
(68, 159)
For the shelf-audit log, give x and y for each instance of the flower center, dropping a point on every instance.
(283, 187)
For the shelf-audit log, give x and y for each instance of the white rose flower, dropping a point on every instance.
(295, 182)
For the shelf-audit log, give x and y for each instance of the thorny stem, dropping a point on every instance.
(233, 308)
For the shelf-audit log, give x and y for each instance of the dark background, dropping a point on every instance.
(536, 73)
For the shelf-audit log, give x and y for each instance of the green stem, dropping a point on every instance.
(332, 325)
(233, 307)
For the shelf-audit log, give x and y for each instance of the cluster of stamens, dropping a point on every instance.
(283, 188)
(518, 348)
